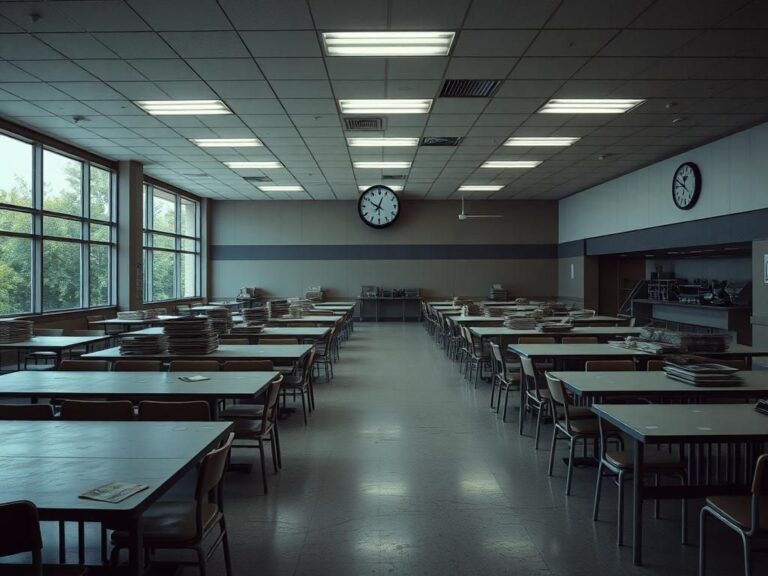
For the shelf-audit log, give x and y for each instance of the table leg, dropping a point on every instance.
(637, 505)
(135, 561)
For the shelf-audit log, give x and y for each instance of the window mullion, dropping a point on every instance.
(37, 229)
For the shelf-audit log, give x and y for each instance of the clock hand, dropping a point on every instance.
(681, 183)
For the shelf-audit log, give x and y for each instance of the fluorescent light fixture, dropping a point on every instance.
(511, 164)
(388, 43)
(589, 106)
(281, 188)
(183, 107)
(385, 106)
(381, 164)
(383, 141)
(550, 141)
(226, 142)
(473, 188)
(257, 165)
(393, 188)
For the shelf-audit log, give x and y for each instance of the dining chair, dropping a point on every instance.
(179, 525)
(85, 348)
(277, 341)
(26, 412)
(746, 515)
(565, 428)
(579, 340)
(619, 463)
(248, 366)
(534, 396)
(262, 430)
(97, 410)
(193, 411)
(137, 366)
(302, 383)
(44, 355)
(84, 365)
(324, 355)
(21, 534)
(504, 378)
(95, 318)
(609, 366)
(193, 366)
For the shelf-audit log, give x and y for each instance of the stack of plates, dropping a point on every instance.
(470, 310)
(191, 335)
(277, 308)
(247, 329)
(150, 313)
(15, 331)
(499, 294)
(132, 315)
(316, 295)
(493, 311)
(521, 301)
(255, 315)
(708, 374)
(143, 344)
(554, 327)
(221, 318)
(295, 310)
(520, 322)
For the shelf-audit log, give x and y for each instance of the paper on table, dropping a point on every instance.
(114, 492)
(195, 378)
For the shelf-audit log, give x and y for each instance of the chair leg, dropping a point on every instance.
(493, 388)
(657, 502)
(304, 407)
(702, 541)
(683, 515)
(571, 454)
(620, 511)
(523, 405)
(747, 562)
(273, 450)
(225, 546)
(598, 489)
(552, 451)
(276, 432)
(263, 466)
(201, 561)
(540, 409)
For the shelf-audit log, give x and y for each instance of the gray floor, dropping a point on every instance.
(403, 469)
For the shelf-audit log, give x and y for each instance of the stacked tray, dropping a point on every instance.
(13, 330)
(143, 344)
(493, 311)
(518, 322)
(132, 315)
(255, 315)
(470, 310)
(221, 319)
(705, 374)
(277, 308)
(554, 327)
(247, 329)
(497, 293)
(191, 335)
(150, 313)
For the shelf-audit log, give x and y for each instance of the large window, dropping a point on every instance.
(171, 245)
(57, 230)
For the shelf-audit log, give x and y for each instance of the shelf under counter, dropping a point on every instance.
(723, 318)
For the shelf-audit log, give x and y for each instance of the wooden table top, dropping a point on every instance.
(66, 384)
(575, 351)
(206, 308)
(469, 320)
(499, 331)
(331, 319)
(224, 352)
(656, 383)
(661, 423)
(267, 331)
(55, 342)
(128, 322)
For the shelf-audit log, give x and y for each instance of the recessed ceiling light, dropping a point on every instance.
(589, 105)
(381, 164)
(281, 188)
(550, 141)
(383, 141)
(226, 142)
(393, 188)
(473, 188)
(511, 164)
(183, 107)
(388, 43)
(258, 165)
(385, 106)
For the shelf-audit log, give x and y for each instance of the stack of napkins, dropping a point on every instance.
(707, 374)
(221, 318)
(132, 315)
(13, 330)
(143, 344)
(191, 336)
(255, 315)
(277, 308)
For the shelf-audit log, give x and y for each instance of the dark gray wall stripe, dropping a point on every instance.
(385, 252)
(571, 249)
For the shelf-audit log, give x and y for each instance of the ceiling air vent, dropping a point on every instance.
(257, 178)
(368, 124)
(393, 177)
(440, 140)
(469, 88)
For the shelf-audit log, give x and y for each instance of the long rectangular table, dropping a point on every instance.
(300, 332)
(350, 305)
(285, 352)
(329, 320)
(127, 324)
(55, 344)
(52, 463)
(602, 332)
(135, 385)
(648, 424)
(560, 352)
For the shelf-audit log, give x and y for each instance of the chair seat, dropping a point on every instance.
(652, 461)
(580, 413)
(585, 427)
(170, 523)
(247, 428)
(253, 411)
(737, 510)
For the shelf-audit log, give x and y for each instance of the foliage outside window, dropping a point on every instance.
(171, 245)
(57, 230)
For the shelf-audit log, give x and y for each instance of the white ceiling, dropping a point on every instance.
(703, 61)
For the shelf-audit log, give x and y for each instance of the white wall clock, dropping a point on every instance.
(686, 185)
(378, 206)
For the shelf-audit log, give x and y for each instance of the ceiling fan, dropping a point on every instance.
(464, 216)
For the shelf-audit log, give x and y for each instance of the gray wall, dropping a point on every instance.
(262, 244)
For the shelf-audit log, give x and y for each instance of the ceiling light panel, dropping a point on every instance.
(382, 165)
(511, 164)
(281, 188)
(589, 105)
(388, 43)
(256, 165)
(472, 188)
(553, 141)
(226, 142)
(385, 106)
(393, 188)
(183, 107)
(383, 142)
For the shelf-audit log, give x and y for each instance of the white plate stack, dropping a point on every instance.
(277, 308)
(470, 310)
(150, 313)
(497, 293)
(221, 318)
(13, 330)
(143, 344)
(295, 309)
(247, 329)
(255, 315)
(191, 336)
(132, 315)
(520, 322)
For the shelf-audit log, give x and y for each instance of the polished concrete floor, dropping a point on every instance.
(404, 470)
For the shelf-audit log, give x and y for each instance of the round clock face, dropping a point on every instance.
(686, 186)
(378, 206)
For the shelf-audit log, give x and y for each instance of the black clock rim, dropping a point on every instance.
(360, 210)
(696, 189)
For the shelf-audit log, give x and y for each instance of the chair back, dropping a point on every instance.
(138, 366)
(194, 411)
(84, 365)
(26, 412)
(234, 341)
(49, 331)
(654, 365)
(529, 377)
(609, 366)
(306, 368)
(277, 341)
(97, 410)
(86, 333)
(579, 340)
(210, 482)
(21, 532)
(497, 358)
(193, 366)
(248, 366)
(536, 340)
(559, 399)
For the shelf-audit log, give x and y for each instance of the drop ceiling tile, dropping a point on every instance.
(293, 68)
(52, 70)
(588, 88)
(77, 45)
(108, 70)
(222, 44)
(25, 47)
(310, 105)
(687, 14)
(302, 88)
(528, 88)
(514, 105)
(65, 107)
(222, 121)
(181, 14)
(34, 91)
(52, 18)
(88, 90)
(570, 43)
(479, 68)
(721, 43)
(597, 13)
(11, 73)
(164, 69)
(282, 44)
(543, 68)
(459, 105)
(136, 44)
(255, 106)
(509, 13)
(6, 26)
(413, 88)
(241, 89)
(359, 89)
(139, 90)
(349, 14)
(314, 120)
(493, 42)
(407, 120)
(103, 16)
(452, 119)
(324, 133)
(414, 68)
(647, 42)
(356, 68)
(270, 15)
